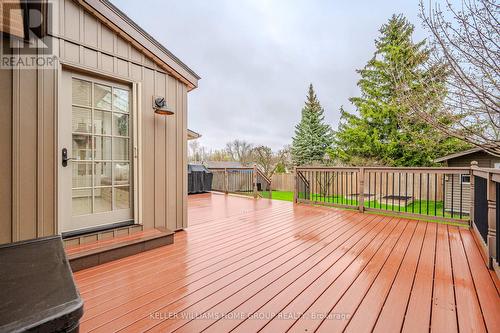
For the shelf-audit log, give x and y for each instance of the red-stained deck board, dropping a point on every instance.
(486, 291)
(264, 289)
(199, 254)
(198, 289)
(370, 284)
(415, 286)
(310, 286)
(396, 275)
(280, 261)
(322, 306)
(275, 260)
(444, 317)
(198, 273)
(469, 313)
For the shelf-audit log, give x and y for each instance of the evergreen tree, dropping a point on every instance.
(382, 131)
(312, 136)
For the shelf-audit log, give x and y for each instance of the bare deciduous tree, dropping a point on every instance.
(240, 151)
(466, 72)
(268, 161)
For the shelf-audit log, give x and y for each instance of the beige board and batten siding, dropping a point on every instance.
(28, 186)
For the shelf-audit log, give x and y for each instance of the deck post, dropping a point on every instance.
(255, 192)
(270, 188)
(295, 185)
(473, 166)
(361, 190)
(226, 181)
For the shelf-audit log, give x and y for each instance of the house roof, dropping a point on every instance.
(223, 164)
(121, 23)
(193, 135)
(459, 154)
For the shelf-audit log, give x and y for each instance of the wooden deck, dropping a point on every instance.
(248, 266)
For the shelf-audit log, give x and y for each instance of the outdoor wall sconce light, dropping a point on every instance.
(160, 106)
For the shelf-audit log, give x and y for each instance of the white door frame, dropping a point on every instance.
(63, 211)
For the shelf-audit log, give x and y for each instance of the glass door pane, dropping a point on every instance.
(101, 148)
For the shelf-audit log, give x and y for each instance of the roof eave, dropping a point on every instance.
(459, 154)
(192, 135)
(120, 22)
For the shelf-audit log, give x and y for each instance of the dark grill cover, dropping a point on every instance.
(199, 179)
(37, 291)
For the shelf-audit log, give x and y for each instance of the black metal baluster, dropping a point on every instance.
(323, 191)
(428, 185)
(350, 192)
(435, 193)
(399, 191)
(369, 189)
(381, 184)
(444, 193)
(452, 193)
(461, 195)
(320, 182)
(420, 193)
(392, 194)
(327, 185)
(413, 192)
(357, 196)
(406, 191)
(386, 190)
(342, 187)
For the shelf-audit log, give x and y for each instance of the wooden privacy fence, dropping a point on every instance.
(437, 193)
(240, 180)
(283, 182)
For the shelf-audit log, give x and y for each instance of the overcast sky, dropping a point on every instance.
(257, 57)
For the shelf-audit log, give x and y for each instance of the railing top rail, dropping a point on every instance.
(490, 170)
(232, 168)
(487, 173)
(314, 168)
(462, 170)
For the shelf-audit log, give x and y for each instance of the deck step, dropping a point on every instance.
(96, 253)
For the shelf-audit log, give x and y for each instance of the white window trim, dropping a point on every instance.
(462, 177)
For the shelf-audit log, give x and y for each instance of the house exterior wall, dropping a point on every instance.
(28, 128)
(484, 160)
(457, 197)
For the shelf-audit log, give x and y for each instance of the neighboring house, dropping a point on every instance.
(456, 186)
(225, 164)
(85, 144)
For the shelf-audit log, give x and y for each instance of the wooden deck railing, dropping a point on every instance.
(486, 213)
(437, 193)
(243, 180)
(466, 196)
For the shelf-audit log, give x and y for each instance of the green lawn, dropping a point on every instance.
(423, 207)
(288, 196)
(278, 195)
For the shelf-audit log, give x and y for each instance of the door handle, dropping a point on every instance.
(65, 157)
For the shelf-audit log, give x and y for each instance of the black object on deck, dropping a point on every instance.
(199, 179)
(37, 290)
